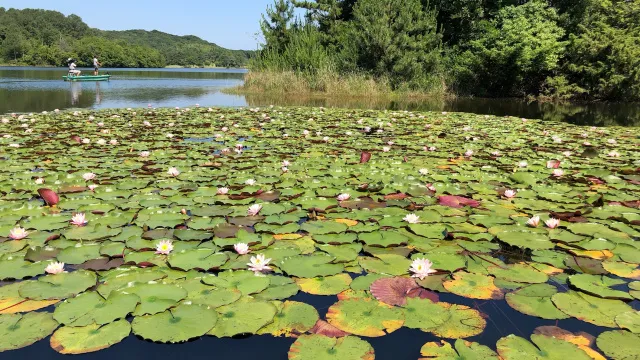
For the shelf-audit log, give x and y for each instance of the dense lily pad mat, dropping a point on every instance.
(177, 224)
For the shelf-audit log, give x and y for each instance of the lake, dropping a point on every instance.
(29, 89)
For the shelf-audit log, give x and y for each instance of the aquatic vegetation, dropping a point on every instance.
(173, 256)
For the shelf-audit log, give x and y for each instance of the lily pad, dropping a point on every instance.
(178, 324)
(90, 338)
(475, 286)
(18, 331)
(535, 300)
(365, 317)
(589, 308)
(321, 347)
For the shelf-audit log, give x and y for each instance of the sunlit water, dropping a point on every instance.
(26, 89)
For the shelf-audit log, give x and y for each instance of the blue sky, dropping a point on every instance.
(229, 23)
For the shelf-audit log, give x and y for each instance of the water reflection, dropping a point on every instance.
(39, 89)
(76, 91)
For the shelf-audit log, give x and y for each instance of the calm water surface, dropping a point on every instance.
(28, 89)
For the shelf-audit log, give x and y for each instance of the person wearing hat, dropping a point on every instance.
(72, 68)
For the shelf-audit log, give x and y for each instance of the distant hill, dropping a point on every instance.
(45, 37)
(182, 50)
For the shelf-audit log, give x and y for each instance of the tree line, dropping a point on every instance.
(561, 49)
(44, 37)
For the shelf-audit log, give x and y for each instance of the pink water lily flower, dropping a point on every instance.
(386, 148)
(241, 248)
(145, 154)
(411, 218)
(343, 197)
(534, 221)
(553, 164)
(431, 187)
(613, 154)
(55, 268)
(239, 146)
(258, 264)
(284, 169)
(558, 172)
(88, 176)
(421, 268)
(285, 163)
(92, 187)
(18, 233)
(254, 209)
(164, 247)
(78, 219)
(509, 194)
(113, 142)
(222, 191)
(173, 171)
(552, 223)
(146, 123)
(305, 132)
(468, 153)
(612, 141)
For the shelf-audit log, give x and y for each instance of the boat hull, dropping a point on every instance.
(86, 78)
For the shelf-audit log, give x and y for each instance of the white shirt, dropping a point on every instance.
(72, 66)
(95, 62)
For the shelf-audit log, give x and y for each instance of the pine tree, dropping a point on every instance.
(276, 25)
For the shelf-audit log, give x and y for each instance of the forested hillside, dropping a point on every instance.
(569, 49)
(43, 37)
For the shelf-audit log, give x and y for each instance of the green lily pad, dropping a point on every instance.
(365, 317)
(154, 297)
(89, 307)
(293, 318)
(244, 281)
(18, 331)
(629, 320)
(317, 264)
(513, 347)
(327, 285)
(535, 300)
(475, 286)
(178, 324)
(589, 308)
(321, 347)
(200, 259)
(599, 286)
(619, 344)
(243, 317)
(90, 338)
(443, 319)
(463, 350)
(58, 286)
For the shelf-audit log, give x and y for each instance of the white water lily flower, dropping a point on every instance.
(250, 182)
(173, 171)
(55, 268)
(18, 233)
(88, 176)
(164, 247)
(534, 221)
(258, 264)
(423, 171)
(241, 248)
(222, 191)
(421, 268)
(343, 197)
(254, 209)
(411, 218)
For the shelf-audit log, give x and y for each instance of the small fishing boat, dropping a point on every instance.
(86, 78)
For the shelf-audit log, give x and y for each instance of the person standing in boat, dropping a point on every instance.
(96, 66)
(72, 68)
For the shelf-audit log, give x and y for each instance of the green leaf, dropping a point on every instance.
(18, 331)
(180, 324)
(85, 339)
(319, 347)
